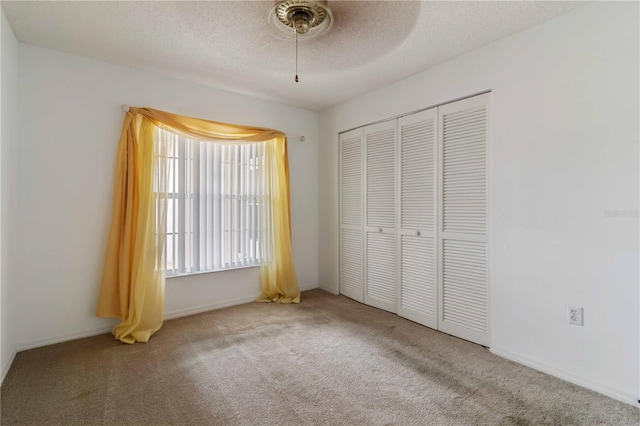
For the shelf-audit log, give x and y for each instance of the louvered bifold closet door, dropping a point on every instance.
(380, 255)
(351, 235)
(417, 260)
(462, 233)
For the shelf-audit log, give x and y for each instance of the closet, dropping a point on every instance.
(413, 217)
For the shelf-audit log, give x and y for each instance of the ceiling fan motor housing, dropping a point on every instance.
(301, 15)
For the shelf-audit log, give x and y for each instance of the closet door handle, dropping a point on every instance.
(379, 229)
(416, 233)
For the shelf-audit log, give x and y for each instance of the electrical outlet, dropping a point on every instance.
(576, 315)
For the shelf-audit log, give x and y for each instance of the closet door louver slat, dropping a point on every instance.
(380, 177)
(380, 267)
(417, 289)
(379, 195)
(465, 284)
(351, 262)
(351, 181)
(351, 229)
(463, 308)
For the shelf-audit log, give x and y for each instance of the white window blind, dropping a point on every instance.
(213, 196)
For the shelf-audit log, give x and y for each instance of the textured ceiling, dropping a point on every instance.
(232, 45)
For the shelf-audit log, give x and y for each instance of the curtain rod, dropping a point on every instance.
(125, 108)
(415, 111)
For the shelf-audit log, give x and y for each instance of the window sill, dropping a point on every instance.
(187, 274)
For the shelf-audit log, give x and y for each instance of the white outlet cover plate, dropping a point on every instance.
(576, 315)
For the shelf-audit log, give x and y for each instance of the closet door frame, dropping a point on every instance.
(462, 332)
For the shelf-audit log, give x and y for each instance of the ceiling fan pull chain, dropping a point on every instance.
(296, 56)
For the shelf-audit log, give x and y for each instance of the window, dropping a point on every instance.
(213, 196)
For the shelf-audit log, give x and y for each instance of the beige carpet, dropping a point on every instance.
(328, 360)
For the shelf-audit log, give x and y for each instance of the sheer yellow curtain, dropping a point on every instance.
(133, 282)
(277, 246)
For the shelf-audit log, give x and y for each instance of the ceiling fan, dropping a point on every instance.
(307, 18)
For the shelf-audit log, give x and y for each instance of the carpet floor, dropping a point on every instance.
(327, 361)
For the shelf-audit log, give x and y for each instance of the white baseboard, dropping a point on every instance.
(228, 303)
(328, 289)
(565, 375)
(307, 287)
(106, 329)
(6, 365)
(64, 338)
(209, 307)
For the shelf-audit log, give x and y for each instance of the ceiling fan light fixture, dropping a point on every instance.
(300, 19)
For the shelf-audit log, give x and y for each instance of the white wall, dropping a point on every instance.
(564, 148)
(8, 93)
(61, 187)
